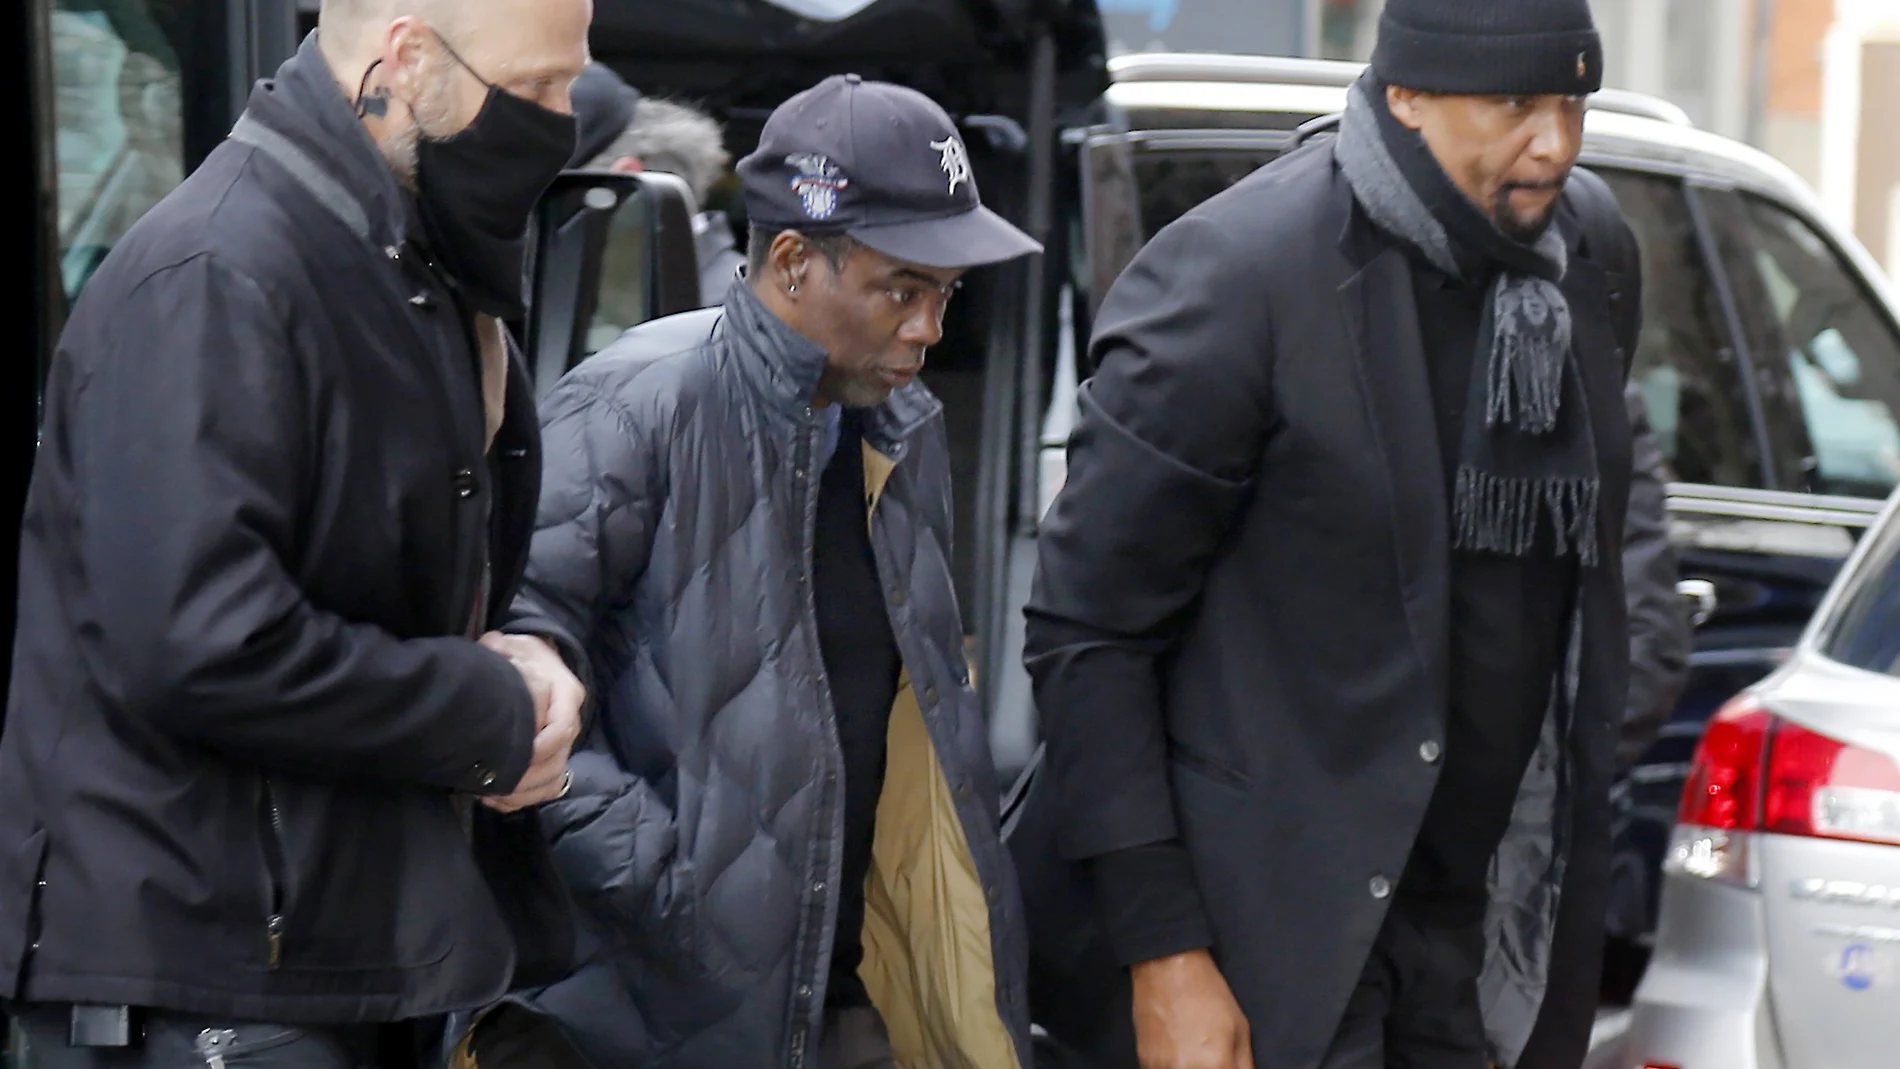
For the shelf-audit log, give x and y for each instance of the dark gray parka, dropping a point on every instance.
(672, 562)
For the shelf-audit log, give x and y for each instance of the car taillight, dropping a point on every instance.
(1724, 789)
(1721, 803)
(1820, 787)
(1754, 772)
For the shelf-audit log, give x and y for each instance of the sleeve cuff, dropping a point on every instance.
(1150, 903)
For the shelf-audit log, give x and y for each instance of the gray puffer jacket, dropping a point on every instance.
(672, 562)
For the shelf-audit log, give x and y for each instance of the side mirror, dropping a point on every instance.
(1702, 593)
(610, 251)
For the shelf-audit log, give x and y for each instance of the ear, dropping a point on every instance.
(1407, 106)
(790, 256)
(406, 49)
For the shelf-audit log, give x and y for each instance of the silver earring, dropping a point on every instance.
(791, 290)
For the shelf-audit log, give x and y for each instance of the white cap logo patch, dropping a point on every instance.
(955, 161)
(817, 183)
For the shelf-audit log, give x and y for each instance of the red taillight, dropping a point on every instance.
(1724, 788)
(1754, 772)
(1820, 787)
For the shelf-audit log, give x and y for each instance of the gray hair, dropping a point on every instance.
(668, 136)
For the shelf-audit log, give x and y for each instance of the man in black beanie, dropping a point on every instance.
(1329, 632)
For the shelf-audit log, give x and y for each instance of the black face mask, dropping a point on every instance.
(476, 192)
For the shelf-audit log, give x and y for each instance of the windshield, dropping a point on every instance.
(1868, 632)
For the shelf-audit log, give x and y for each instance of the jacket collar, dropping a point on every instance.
(302, 119)
(785, 367)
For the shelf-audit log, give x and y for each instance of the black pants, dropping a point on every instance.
(190, 1041)
(1416, 1005)
(512, 1038)
(855, 1038)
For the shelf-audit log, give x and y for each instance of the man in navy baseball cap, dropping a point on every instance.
(882, 164)
(745, 511)
(864, 216)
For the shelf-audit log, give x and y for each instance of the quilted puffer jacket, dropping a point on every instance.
(703, 834)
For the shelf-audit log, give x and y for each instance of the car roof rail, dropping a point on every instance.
(1289, 70)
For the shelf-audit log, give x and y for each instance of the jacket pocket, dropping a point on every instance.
(1198, 764)
(359, 878)
(270, 832)
(29, 864)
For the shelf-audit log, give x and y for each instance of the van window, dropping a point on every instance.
(1826, 353)
(1172, 180)
(626, 277)
(1685, 363)
(119, 124)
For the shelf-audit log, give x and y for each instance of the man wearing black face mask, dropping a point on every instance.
(264, 760)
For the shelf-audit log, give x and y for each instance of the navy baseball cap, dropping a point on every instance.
(881, 163)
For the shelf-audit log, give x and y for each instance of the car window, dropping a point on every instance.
(1685, 363)
(1867, 632)
(1827, 358)
(1172, 180)
(626, 282)
(119, 126)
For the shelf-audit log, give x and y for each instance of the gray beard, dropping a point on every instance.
(399, 153)
(430, 110)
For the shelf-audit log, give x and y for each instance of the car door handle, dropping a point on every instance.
(1702, 593)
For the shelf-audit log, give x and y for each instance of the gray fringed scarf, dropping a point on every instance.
(1528, 451)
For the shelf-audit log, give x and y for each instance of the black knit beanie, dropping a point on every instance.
(1490, 47)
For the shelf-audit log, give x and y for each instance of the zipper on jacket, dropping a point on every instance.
(809, 477)
(273, 841)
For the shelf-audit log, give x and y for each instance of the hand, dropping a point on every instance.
(558, 698)
(1186, 1016)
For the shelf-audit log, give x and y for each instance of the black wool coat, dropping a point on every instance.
(1239, 633)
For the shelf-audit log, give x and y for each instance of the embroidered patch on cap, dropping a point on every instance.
(955, 161)
(817, 183)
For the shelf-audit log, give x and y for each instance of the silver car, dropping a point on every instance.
(1778, 945)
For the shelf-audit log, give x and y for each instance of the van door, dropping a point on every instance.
(611, 251)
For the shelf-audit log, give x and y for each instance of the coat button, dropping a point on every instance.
(423, 301)
(465, 484)
(392, 252)
(818, 887)
(804, 990)
(898, 597)
(1380, 887)
(1429, 751)
(930, 695)
(484, 775)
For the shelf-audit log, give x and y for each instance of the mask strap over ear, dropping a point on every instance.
(376, 103)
